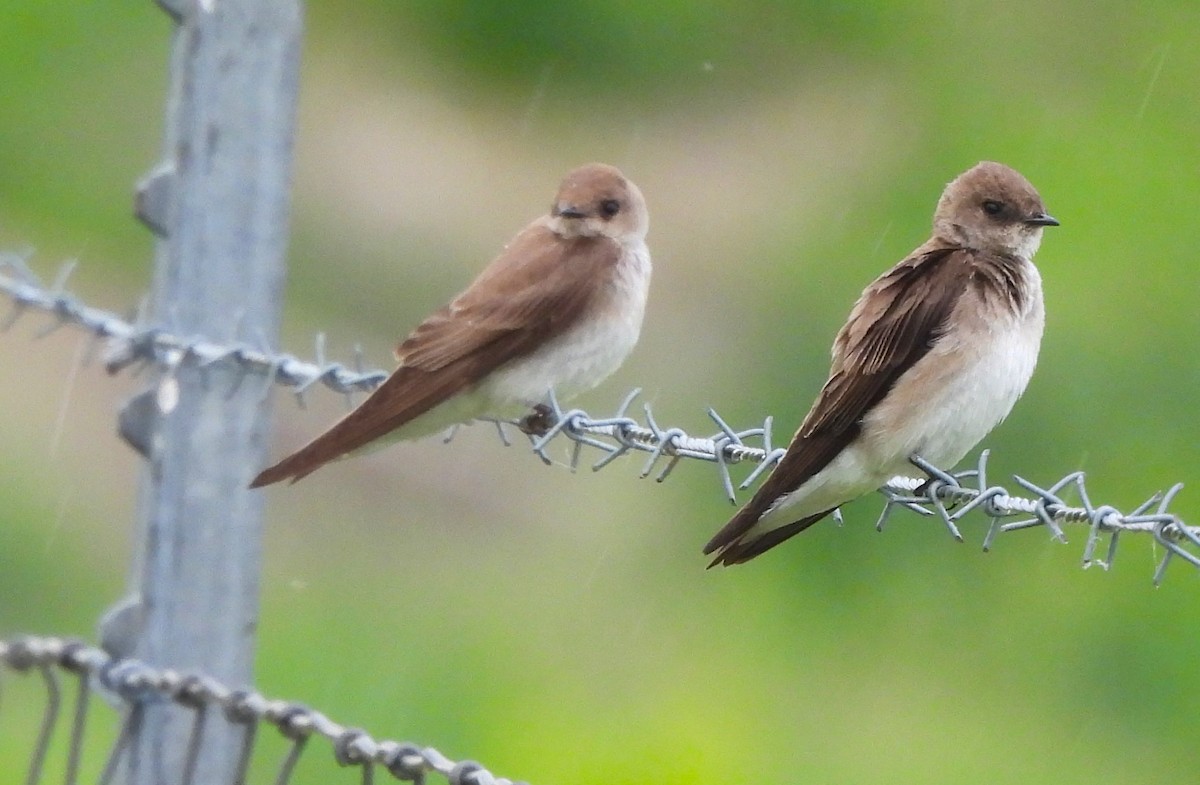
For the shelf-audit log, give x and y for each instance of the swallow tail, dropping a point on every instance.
(734, 544)
(294, 467)
(393, 411)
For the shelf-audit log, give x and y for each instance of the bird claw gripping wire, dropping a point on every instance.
(539, 421)
(896, 494)
(549, 420)
(941, 487)
(944, 495)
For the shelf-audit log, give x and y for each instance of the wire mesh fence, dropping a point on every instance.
(134, 684)
(947, 497)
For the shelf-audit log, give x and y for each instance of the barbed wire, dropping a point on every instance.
(131, 343)
(135, 684)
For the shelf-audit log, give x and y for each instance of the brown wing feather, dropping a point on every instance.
(893, 324)
(537, 288)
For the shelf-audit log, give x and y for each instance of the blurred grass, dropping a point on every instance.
(560, 627)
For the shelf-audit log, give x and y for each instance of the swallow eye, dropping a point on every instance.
(609, 208)
(992, 207)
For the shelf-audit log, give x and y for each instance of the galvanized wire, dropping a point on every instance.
(135, 683)
(943, 495)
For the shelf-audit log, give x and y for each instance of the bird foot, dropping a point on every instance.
(538, 422)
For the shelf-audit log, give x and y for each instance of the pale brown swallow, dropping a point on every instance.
(934, 355)
(559, 309)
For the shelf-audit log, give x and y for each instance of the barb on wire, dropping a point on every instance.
(133, 343)
(940, 494)
(136, 683)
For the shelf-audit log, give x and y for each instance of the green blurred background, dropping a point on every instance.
(560, 627)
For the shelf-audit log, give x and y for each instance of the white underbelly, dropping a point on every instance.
(952, 398)
(941, 407)
(585, 354)
(575, 361)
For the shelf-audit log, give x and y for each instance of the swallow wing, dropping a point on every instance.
(538, 287)
(895, 322)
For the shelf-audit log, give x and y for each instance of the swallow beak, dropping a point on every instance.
(1042, 219)
(565, 210)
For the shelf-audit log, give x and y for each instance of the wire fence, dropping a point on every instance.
(129, 343)
(135, 683)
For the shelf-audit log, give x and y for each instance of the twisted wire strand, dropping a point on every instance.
(940, 494)
(135, 683)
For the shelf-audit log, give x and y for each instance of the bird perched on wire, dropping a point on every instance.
(933, 356)
(560, 308)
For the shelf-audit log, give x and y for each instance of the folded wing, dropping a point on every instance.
(538, 287)
(895, 322)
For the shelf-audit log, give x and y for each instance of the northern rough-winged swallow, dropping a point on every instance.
(935, 353)
(560, 308)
